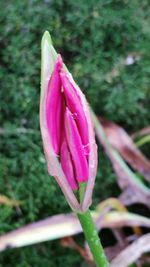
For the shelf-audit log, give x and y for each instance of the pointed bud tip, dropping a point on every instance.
(46, 37)
(59, 62)
(64, 74)
(65, 78)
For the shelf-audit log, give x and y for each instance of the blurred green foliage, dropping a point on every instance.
(94, 37)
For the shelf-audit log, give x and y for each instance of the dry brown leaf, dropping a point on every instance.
(144, 261)
(113, 251)
(123, 143)
(70, 242)
(9, 202)
(133, 190)
(133, 252)
(54, 227)
(127, 179)
(62, 225)
(116, 219)
(115, 204)
(144, 131)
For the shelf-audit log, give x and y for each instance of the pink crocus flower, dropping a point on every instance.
(67, 129)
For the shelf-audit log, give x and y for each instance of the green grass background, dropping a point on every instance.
(94, 37)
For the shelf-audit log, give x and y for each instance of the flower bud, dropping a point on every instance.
(66, 128)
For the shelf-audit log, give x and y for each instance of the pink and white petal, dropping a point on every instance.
(92, 159)
(74, 104)
(54, 101)
(67, 166)
(49, 57)
(76, 148)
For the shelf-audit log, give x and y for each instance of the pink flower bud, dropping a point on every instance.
(67, 166)
(66, 127)
(76, 148)
(74, 104)
(54, 106)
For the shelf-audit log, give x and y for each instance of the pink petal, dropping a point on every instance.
(92, 157)
(76, 148)
(75, 106)
(67, 166)
(54, 106)
(49, 58)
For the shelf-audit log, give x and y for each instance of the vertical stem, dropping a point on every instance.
(92, 238)
(82, 187)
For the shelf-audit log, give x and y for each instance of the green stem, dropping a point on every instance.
(82, 188)
(92, 238)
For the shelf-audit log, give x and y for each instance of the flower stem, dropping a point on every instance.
(82, 187)
(92, 238)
